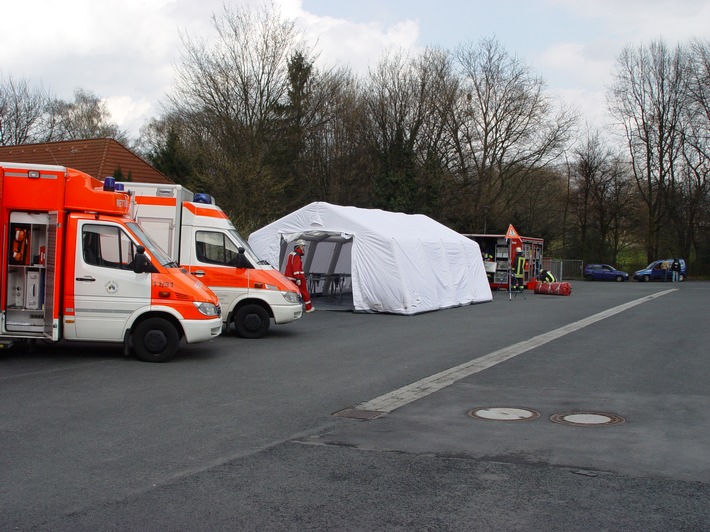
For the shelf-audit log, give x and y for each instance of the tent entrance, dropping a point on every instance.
(327, 263)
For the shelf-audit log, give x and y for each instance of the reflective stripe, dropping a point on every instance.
(102, 310)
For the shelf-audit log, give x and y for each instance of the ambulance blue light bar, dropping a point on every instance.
(201, 197)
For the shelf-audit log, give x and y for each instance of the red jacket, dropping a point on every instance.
(294, 267)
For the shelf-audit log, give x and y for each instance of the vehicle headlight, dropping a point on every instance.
(208, 309)
(291, 297)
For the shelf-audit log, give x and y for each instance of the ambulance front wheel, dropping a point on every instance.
(251, 321)
(155, 340)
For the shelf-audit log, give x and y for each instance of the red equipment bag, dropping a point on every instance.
(554, 289)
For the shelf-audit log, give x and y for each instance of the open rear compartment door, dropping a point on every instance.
(51, 285)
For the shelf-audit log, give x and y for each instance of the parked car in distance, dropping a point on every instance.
(604, 272)
(660, 270)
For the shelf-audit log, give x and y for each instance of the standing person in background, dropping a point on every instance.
(294, 272)
(675, 269)
(518, 269)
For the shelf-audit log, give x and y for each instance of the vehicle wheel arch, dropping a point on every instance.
(238, 304)
(165, 313)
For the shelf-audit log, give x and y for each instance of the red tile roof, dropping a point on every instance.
(97, 157)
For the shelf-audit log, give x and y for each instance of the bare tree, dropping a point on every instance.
(87, 117)
(647, 99)
(333, 161)
(230, 97)
(692, 208)
(505, 128)
(406, 127)
(601, 200)
(23, 112)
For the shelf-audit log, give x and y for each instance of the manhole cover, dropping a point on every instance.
(587, 419)
(504, 413)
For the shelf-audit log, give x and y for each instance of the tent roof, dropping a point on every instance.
(332, 219)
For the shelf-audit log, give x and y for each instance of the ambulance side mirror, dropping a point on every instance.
(141, 264)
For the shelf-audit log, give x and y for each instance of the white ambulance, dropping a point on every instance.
(199, 236)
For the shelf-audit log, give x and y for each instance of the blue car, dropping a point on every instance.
(660, 270)
(604, 272)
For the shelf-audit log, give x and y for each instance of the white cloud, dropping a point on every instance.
(576, 62)
(581, 71)
(128, 112)
(121, 51)
(643, 20)
(357, 45)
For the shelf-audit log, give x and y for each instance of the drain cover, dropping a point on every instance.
(504, 413)
(587, 419)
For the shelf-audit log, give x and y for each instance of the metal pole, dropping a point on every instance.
(510, 270)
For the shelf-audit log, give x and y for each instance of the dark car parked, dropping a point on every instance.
(660, 270)
(604, 272)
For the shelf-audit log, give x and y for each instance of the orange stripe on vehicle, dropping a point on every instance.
(204, 211)
(154, 200)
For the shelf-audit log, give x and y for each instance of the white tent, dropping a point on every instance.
(397, 263)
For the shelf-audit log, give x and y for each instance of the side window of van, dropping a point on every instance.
(215, 248)
(107, 246)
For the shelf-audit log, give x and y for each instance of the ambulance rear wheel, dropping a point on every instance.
(252, 321)
(155, 340)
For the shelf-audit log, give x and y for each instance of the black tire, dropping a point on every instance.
(252, 321)
(646, 278)
(589, 277)
(155, 340)
(619, 279)
(681, 277)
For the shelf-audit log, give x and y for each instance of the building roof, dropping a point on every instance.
(97, 157)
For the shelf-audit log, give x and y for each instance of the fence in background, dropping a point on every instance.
(564, 269)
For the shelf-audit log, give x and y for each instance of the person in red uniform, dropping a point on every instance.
(294, 272)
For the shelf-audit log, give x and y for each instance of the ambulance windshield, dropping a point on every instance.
(155, 251)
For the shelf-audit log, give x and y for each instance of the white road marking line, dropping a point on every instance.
(407, 394)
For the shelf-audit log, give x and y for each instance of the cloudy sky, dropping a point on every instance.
(124, 51)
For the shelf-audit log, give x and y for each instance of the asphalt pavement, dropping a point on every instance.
(538, 412)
